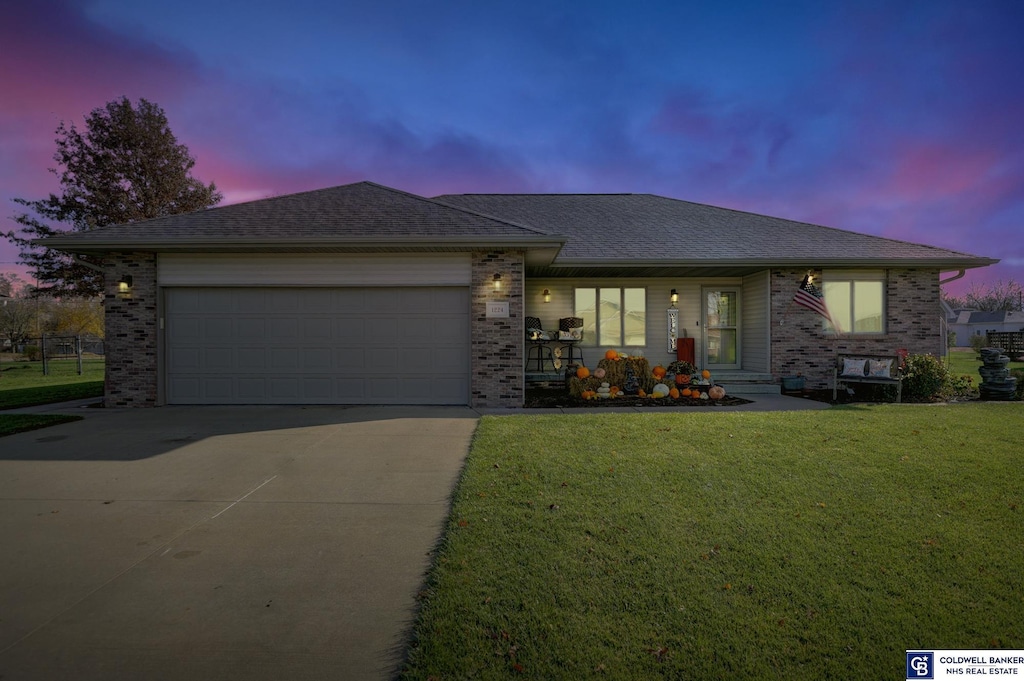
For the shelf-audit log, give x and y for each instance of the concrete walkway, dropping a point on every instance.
(221, 542)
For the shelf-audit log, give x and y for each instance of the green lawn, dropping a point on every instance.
(17, 423)
(728, 545)
(966, 362)
(22, 384)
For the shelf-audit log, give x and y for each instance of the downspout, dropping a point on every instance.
(958, 275)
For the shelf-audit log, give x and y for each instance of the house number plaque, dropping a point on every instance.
(673, 328)
(497, 309)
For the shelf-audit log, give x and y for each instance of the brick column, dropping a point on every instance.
(131, 331)
(801, 347)
(496, 370)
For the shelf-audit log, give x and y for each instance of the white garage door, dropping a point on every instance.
(317, 345)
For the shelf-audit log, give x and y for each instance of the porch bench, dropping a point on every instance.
(867, 368)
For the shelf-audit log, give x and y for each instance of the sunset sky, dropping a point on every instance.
(898, 119)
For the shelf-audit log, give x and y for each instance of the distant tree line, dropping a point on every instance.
(1000, 296)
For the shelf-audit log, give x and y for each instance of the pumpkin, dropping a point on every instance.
(716, 392)
(658, 372)
(614, 390)
(599, 372)
(705, 374)
(686, 392)
(674, 393)
(642, 393)
(588, 394)
(582, 372)
(683, 379)
(660, 390)
(611, 354)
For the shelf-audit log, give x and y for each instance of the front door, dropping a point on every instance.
(721, 328)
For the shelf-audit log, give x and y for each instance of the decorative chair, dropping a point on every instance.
(570, 332)
(539, 351)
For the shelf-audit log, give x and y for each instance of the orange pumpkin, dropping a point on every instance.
(674, 393)
(658, 372)
(682, 379)
(642, 393)
(611, 354)
(686, 392)
(582, 372)
(705, 374)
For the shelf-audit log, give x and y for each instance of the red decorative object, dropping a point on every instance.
(684, 350)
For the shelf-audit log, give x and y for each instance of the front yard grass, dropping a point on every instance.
(22, 384)
(728, 545)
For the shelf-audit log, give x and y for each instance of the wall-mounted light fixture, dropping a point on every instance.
(810, 277)
(547, 295)
(674, 296)
(497, 282)
(124, 286)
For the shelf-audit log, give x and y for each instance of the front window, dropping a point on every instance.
(856, 300)
(613, 317)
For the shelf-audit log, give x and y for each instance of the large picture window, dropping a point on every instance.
(613, 317)
(856, 300)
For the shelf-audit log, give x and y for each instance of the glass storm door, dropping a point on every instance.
(721, 328)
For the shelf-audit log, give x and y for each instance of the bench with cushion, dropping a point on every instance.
(867, 368)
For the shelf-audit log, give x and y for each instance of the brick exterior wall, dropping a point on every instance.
(131, 331)
(801, 348)
(496, 369)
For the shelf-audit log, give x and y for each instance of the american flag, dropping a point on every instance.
(810, 296)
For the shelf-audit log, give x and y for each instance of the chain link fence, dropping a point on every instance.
(41, 352)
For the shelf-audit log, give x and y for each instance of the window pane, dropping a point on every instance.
(837, 297)
(868, 307)
(586, 308)
(609, 317)
(636, 316)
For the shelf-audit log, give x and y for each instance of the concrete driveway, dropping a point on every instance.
(221, 542)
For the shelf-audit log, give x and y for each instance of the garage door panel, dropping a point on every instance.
(249, 300)
(283, 328)
(250, 327)
(249, 360)
(317, 346)
(184, 360)
(219, 359)
(252, 388)
(320, 327)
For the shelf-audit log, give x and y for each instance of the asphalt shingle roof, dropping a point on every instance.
(363, 210)
(592, 230)
(645, 227)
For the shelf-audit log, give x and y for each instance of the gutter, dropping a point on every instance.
(958, 275)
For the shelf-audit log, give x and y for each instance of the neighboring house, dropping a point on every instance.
(362, 294)
(977, 323)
